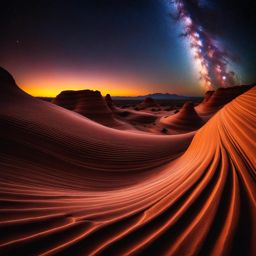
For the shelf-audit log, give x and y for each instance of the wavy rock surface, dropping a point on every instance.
(72, 187)
(215, 100)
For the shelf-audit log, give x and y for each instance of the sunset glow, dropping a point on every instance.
(50, 87)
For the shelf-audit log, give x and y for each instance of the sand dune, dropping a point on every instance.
(70, 186)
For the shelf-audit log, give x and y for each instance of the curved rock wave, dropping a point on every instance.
(215, 100)
(72, 187)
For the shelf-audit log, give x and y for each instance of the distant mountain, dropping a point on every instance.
(156, 96)
(49, 99)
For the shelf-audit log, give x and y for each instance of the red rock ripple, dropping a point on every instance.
(72, 187)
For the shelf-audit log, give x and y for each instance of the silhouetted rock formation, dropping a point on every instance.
(148, 103)
(109, 101)
(89, 104)
(9, 88)
(7, 81)
(6, 78)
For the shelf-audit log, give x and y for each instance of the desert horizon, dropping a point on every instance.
(87, 170)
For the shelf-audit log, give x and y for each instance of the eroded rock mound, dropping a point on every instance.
(186, 119)
(89, 104)
(148, 103)
(109, 101)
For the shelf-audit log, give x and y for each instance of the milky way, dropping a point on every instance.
(211, 60)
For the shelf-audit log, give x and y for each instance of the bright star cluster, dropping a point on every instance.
(210, 59)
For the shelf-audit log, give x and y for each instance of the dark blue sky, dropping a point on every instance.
(117, 46)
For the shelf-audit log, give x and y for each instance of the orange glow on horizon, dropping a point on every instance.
(52, 92)
(51, 83)
(48, 87)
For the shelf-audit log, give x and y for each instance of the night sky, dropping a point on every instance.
(122, 47)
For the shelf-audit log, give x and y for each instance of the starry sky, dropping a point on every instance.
(128, 47)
